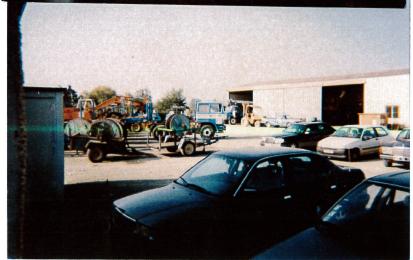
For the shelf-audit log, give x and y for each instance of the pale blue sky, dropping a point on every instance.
(205, 49)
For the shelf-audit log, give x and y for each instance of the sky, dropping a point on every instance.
(204, 49)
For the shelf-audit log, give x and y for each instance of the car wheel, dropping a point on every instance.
(188, 149)
(353, 155)
(207, 131)
(95, 154)
(268, 125)
(387, 163)
(233, 121)
(257, 123)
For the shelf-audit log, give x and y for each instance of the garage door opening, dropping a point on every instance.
(341, 104)
(241, 95)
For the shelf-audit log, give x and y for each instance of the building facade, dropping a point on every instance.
(336, 100)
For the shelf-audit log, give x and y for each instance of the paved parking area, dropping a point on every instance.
(158, 165)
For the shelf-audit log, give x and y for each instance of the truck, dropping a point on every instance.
(210, 116)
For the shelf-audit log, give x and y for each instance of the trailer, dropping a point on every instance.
(110, 136)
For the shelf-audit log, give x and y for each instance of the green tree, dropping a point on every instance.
(172, 98)
(100, 93)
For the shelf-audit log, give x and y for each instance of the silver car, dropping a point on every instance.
(352, 141)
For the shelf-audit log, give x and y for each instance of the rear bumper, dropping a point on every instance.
(395, 158)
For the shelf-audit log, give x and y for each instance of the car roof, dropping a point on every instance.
(257, 153)
(399, 179)
(363, 126)
(309, 123)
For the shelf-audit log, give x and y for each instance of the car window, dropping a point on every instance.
(404, 135)
(381, 132)
(321, 128)
(367, 199)
(203, 108)
(217, 174)
(352, 132)
(369, 132)
(300, 169)
(324, 166)
(215, 108)
(312, 129)
(267, 176)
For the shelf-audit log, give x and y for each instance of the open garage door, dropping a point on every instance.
(241, 95)
(341, 104)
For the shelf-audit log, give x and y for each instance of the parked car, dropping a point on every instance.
(352, 141)
(237, 194)
(370, 222)
(302, 135)
(397, 151)
(280, 121)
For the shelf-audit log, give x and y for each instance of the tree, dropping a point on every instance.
(172, 98)
(70, 97)
(142, 92)
(192, 103)
(100, 93)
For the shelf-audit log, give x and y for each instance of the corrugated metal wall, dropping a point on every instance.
(303, 102)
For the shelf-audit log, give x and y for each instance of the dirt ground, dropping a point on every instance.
(158, 165)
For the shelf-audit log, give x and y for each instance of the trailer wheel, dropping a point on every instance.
(188, 149)
(95, 154)
(207, 131)
(233, 121)
(136, 127)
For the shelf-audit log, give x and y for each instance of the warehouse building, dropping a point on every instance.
(381, 97)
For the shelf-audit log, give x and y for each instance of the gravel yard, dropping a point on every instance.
(158, 165)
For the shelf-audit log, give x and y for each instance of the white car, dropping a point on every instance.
(352, 141)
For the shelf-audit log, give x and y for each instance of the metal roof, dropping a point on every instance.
(319, 81)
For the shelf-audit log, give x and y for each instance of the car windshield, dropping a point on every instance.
(295, 129)
(367, 202)
(404, 135)
(352, 132)
(217, 175)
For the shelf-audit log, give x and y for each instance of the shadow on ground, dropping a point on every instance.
(81, 228)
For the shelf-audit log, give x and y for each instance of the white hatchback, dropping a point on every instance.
(352, 141)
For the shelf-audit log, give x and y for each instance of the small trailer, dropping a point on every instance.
(179, 135)
(110, 136)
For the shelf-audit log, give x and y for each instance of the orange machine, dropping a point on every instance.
(84, 109)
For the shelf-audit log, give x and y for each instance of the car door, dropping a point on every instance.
(262, 197)
(301, 185)
(383, 136)
(312, 135)
(369, 143)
